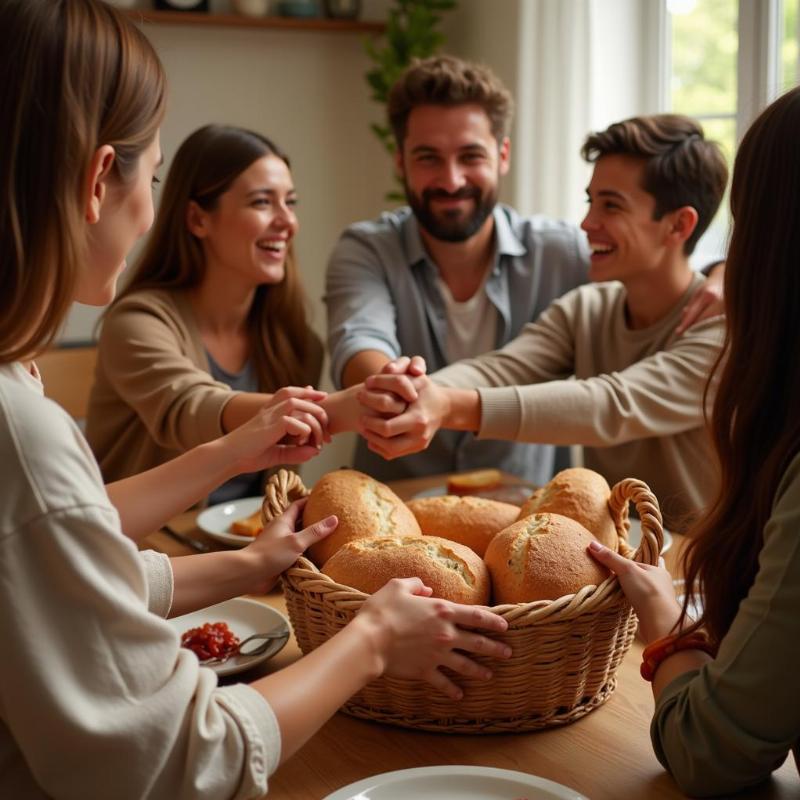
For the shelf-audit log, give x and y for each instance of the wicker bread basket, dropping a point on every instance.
(565, 652)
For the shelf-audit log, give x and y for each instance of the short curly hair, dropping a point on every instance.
(448, 81)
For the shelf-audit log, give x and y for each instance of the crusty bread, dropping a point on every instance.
(541, 557)
(580, 494)
(471, 521)
(479, 480)
(453, 571)
(364, 506)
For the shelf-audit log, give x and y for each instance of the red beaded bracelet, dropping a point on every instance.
(663, 648)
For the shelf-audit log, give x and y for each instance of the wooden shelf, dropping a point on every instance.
(150, 16)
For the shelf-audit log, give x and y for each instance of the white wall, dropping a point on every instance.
(307, 91)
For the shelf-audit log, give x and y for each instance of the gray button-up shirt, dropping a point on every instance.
(381, 294)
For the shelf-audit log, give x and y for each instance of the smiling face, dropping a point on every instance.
(247, 233)
(624, 238)
(125, 214)
(450, 165)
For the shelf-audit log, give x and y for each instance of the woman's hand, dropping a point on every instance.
(416, 635)
(649, 589)
(707, 301)
(279, 545)
(317, 433)
(289, 429)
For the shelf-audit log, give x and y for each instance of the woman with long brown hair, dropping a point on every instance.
(97, 699)
(213, 320)
(727, 703)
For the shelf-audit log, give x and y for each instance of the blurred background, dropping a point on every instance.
(572, 65)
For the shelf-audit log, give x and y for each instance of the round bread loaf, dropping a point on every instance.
(364, 506)
(580, 494)
(452, 570)
(541, 557)
(472, 521)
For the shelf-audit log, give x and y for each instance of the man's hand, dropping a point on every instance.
(707, 301)
(390, 398)
(413, 429)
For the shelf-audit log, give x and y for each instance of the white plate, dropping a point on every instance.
(455, 783)
(635, 535)
(216, 520)
(244, 617)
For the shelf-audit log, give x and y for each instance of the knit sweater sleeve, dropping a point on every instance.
(543, 351)
(524, 395)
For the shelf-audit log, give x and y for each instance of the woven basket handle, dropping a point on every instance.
(638, 493)
(282, 489)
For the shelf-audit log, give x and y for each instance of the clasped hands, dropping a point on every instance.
(397, 411)
(403, 408)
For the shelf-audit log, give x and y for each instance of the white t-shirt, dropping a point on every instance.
(471, 325)
(97, 699)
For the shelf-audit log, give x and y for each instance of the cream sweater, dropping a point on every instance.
(97, 699)
(636, 403)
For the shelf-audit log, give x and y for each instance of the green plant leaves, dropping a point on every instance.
(411, 32)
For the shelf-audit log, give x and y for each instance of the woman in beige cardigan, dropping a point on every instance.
(212, 324)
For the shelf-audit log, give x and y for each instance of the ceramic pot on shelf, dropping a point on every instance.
(298, 8)
(342, 9)
(251, 8)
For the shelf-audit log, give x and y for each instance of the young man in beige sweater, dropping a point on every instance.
(636, 403)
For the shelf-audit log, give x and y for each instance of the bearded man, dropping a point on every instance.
(454, 274)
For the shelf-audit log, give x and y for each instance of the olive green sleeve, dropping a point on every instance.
(729, 725)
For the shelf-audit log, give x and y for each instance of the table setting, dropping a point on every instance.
(602, 751)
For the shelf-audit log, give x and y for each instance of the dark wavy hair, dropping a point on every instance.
(755, 423)
(204, 167)
(682, 168)
(448, 81)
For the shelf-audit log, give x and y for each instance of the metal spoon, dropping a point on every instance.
(266, 640)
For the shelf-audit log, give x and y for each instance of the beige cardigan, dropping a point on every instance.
(153, 397)
(636, 405)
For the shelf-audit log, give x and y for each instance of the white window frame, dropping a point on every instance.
(758, 71)
(758, 62)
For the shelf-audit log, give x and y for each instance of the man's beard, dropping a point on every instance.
(452, 226)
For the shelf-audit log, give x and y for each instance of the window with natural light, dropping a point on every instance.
(702, 53)
(705, 61)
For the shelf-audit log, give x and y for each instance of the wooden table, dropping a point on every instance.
(606, 755)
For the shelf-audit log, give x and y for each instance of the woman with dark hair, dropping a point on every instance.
(727, 703)
(97, 699)
(213, 323)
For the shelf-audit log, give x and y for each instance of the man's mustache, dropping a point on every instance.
(467, 193)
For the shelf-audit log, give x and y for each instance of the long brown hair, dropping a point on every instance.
(74, 75)
(205, 166)
(756, 416)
